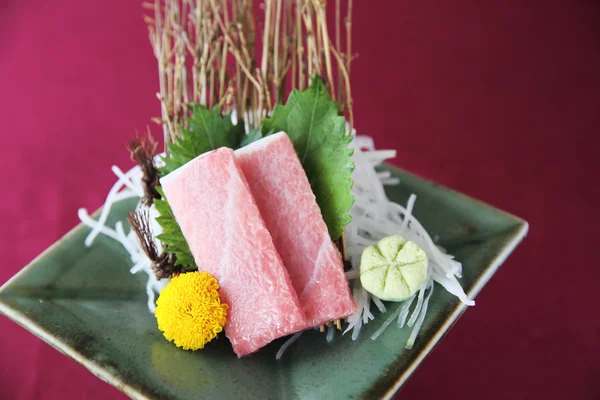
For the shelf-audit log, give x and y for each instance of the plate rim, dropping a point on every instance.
(30, 325)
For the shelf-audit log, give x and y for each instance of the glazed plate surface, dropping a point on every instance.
(84, 302)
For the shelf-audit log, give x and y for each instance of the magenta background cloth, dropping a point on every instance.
(497, 99)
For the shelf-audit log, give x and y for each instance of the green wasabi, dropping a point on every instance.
(393, 269)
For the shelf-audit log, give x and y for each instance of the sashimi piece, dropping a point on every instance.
(290, 210)
(227, 236)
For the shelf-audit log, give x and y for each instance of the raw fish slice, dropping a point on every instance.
(227, 236)
(293, 217)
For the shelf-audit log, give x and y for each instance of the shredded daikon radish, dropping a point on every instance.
(422, 313)
(409, 206)
(96, 225)
(127, 182)
(387, 323)
(135, 173)
(287, 344)
(374, 217)
(128, 186)
(452, 286)
(354, 318)
(367, 316)
(384, 175)
(353, 274)
(378, 303)
(417, 310)
(405, 309)
(356, 329)
(330, 333)
(390, 181)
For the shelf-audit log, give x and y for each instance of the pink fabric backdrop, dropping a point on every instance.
(497, 99)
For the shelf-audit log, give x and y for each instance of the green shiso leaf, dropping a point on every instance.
(172, 236)
(208, 130)
(311, 120)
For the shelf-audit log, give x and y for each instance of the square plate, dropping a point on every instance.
(84, 302)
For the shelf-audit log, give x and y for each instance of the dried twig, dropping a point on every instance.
(322, 20)
(299, 46)
(143, 151)
(347, 84)
(163, 264)
(276, 44)
(338, 45)
(348, 38)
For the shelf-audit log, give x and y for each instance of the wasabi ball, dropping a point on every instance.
(393, 269)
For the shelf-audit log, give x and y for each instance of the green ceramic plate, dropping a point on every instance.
(84, 302)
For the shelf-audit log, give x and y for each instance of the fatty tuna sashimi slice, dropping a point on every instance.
(227, 236)
(290, 210)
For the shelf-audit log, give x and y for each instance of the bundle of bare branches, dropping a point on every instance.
(218, 52)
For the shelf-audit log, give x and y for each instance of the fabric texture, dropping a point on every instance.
(496, 99)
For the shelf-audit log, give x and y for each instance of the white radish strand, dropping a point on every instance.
(387, 323)
(379, 304)
(135, 172)
(352, 274)
(127, 182)
(367, 316)
(127, 186)
(85, 218)
(287, 344)
(390, 181)
(409, 207)
(417, 310)
(384, 175)
(125, 241)
(404, 310)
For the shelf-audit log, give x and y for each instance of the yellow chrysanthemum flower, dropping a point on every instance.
(189, 310)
